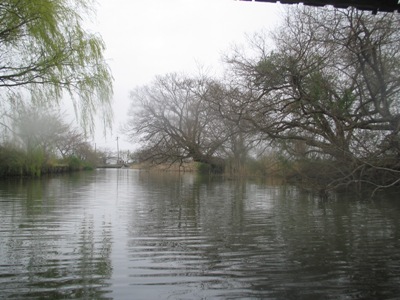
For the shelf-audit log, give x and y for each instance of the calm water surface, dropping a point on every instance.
(126, 234)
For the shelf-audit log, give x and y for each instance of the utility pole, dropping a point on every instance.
(117, 151)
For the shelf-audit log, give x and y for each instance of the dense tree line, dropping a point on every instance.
(323, 92)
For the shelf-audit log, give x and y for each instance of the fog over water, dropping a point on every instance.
(156, 37)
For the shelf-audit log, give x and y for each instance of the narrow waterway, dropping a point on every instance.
(128, 234)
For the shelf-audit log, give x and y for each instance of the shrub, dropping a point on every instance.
(74, 163)
(11, 161)
(34, 162)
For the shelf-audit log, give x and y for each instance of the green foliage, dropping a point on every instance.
(37, 138)
(11, 161)
(16, 162)
(318, 88)
(346, 101)
(74, 163)
(34, 162)
(203, 168)
(45, 51)
(269, 67)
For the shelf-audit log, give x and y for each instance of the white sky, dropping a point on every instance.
(145, 38)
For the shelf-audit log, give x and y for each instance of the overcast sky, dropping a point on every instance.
(145, 38)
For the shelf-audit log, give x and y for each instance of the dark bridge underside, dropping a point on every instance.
(373, 5)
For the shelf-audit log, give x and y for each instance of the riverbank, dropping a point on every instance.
(113, 166)
(174, 167)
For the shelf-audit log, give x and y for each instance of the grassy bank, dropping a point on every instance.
(14, 162)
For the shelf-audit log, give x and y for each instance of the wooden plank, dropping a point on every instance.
(372, 5)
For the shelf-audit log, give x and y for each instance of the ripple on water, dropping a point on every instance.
(123, 234)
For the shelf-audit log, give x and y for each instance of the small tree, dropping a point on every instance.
(70, 142)
(44, 136)
(37, 130)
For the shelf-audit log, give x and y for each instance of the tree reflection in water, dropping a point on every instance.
(51, 250)
(121, 234)
(245, 239)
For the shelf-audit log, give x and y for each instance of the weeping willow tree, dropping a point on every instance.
(46, 55)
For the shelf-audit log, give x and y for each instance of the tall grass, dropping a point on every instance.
(12, 161)
(17, 162)
(34, 162)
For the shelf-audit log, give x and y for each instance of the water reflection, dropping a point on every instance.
(241, 239)
(125, 234)
(49, 249)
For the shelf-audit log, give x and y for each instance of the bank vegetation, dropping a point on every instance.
(40, 142)
(46, 57)
(315, 101)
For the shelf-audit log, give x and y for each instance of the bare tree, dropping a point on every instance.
(35, 129)
(173, 119)
(70, 142)
(331, 82)
(225, 102)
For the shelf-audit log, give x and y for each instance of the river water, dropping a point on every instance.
(129, 234)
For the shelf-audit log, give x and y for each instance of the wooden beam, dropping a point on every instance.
(372, 5)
